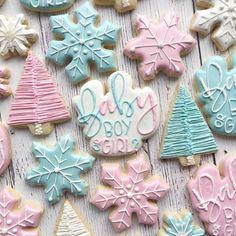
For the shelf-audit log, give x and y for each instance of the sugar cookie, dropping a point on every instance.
(118, 121)
(5, 89)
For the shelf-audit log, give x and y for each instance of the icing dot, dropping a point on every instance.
(136, 189)
(91, 44)
(122, 200)
(78, 32)
(132, 50)
(129, 195)
(57, 169)
(138, 197)
(221, 8)
(14, 230)
(9, 222)
(231, 9)
(72, 41)
(160, 44)
(82, 41)
(128, 186)
(85, 52)
(122, 192)
(225, 17)
(132, 204)
(76, 49)
(89, 33)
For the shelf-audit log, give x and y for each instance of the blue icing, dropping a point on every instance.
(216, 91)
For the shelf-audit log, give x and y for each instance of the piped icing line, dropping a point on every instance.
(83, 42)
(5, 89)
(159, 46)
(118, 121)
(213, 196)
(216, 93)
(129, 191)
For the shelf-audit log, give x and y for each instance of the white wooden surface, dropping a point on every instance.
(171, 171)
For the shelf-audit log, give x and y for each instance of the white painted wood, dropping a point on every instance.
(171, 171)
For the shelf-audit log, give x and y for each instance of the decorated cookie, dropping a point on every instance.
(59, 169)
(16, 36)
(186, 135)
(37, 103)
(216, 93)
(217, 15)
(71, 223)
(213, 196)
(159, 46)
(47, 5)
(120, 5)
(180, 224)
(1, 2)
(83, 42)
(16, 220)
(5, 149)
(130, 191)
(5, 89)
(118, 121)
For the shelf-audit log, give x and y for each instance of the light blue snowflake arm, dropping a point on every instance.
(82, 43)
(59, 169)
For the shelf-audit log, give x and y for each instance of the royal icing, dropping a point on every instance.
(83, 43)
(220, 14)
(16, 36)
(70, 222)
(130, 191)
(59, 169)
(187, 132)
(5, 89)
(118, 121)
(216, 91)
(37, 100)
(214, 197)
(16, 221)
(159, 46)
(5, 149)
(180, 224)
(47, 5)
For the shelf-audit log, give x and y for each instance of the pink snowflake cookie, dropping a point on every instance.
(131, 192)
(159, 46)
(14, 222)
(213, 195)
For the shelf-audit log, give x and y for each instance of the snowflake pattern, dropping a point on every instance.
(59, 169)
(220, 14)
(130, 193)
(180, 224)
(159, 46)
(16, 36)
(83, 43)
(14, 222)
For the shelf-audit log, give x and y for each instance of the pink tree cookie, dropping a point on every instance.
(159, 46)
(37, 102)
(15, 222)
(214, 197)
(5, 89)
(130, 192)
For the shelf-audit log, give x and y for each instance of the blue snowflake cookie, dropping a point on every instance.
(83, 43)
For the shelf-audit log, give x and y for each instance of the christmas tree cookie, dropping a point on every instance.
(186, 135)
(5, 89)
(37, 103)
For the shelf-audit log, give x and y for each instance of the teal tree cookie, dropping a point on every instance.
(83, 43)
(59, 169)
(47, 5)
(216, 92)
(180, 224)
(187, 134)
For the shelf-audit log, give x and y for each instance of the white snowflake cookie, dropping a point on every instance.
(219, 15)
(16, 36)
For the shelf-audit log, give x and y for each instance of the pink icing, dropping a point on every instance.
(5, 149)
(214, 197)
(159, 46)
(37, 99)
(130, 192)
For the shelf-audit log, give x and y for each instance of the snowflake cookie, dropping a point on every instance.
(71, 223)
(16, 36)
(159, 46)
(47, 5)
(83, 43)
(180, 224)
(216, 92)
(16, 221)
(118, 121)
(5, 149)
(186, 135)
(59, 169)
(5, 89)
(130, 191)
(219, 15)
(213, 196)
(120, 5)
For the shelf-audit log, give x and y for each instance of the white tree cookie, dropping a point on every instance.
(16, 36)
(219, 15)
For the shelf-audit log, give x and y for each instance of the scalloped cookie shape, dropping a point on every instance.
(219, 16)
